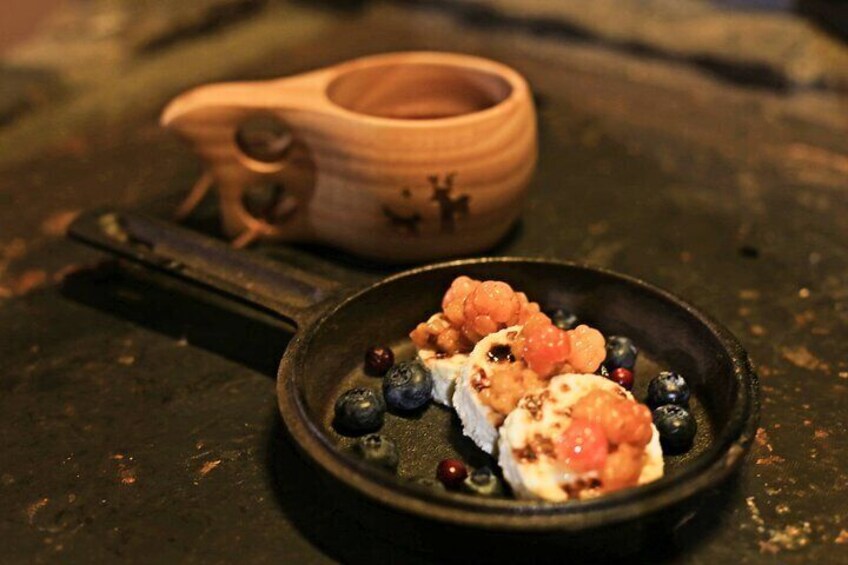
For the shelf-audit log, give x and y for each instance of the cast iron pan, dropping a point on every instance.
(334, 328)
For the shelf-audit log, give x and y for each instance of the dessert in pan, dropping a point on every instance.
(548, 397)
(471, 310)
(558, 452)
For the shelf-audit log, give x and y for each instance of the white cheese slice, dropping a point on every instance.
(546, 417)
(479, 421)
(445, 372)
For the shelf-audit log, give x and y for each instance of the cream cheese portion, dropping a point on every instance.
(546, 414)
(479, 421)
(445, 372)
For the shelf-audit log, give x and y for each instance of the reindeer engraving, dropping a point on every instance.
(450, 208)
(409, 224)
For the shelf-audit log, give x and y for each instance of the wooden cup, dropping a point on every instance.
(398, 157)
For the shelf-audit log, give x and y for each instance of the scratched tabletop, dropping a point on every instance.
(138, 418)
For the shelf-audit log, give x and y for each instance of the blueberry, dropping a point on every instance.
(677, 427)
(407, 386)
(378, 360)
(378, 450)
(620, 353)
(360, 410)
(667, 388)
(483, 481)
(563, 319)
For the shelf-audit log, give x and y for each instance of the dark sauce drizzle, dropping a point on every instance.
(500, 353)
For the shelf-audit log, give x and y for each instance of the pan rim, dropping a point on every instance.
(710, 469)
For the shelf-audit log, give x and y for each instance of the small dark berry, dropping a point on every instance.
(563, 319)
(603, 371)
(483, 482)
(622, 377)
(451, 472)
(359, 410)
(668, 388)
(620, 353)
(378, 450)
(407, 386)
(378, 360)
(677, 427)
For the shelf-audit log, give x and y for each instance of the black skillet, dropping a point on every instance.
(334, 327)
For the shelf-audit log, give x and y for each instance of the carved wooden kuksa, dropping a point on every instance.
(398, 157)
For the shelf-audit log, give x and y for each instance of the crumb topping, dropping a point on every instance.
(578, 487)
(534, 403)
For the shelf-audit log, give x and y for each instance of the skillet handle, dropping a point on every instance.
(241, 275)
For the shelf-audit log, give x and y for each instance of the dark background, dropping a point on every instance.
(698, 145)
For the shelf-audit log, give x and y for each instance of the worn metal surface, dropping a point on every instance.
(141, 423)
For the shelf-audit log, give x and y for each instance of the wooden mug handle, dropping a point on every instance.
(209, 119)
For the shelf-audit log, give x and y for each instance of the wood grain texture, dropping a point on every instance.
(399, 157)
